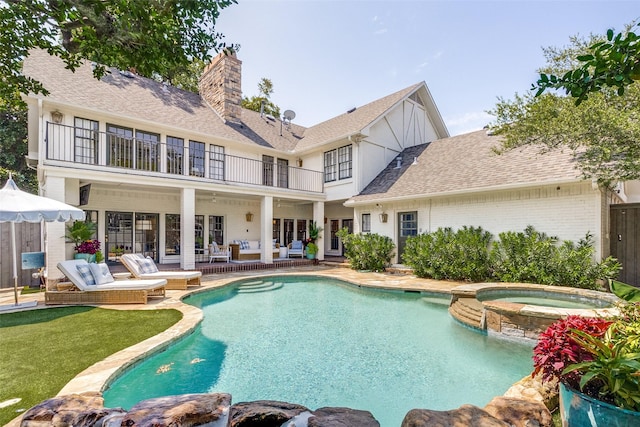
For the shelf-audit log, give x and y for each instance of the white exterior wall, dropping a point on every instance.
(568, 213)
(405, 126)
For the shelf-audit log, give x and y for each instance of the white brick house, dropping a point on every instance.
(164, 172)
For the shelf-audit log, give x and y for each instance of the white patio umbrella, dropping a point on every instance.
(19, 206)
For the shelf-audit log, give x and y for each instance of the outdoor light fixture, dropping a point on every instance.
(249, 216)
(384, 217)
(56, 116)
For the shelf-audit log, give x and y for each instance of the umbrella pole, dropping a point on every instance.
(15, 269)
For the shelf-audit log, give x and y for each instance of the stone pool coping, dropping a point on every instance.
(521, 321)
(98, 376)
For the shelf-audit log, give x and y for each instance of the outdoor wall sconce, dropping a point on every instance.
(249, 216)
(384, 217)
(299, 161)
(56, 116)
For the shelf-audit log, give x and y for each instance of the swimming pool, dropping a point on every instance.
(320, 342)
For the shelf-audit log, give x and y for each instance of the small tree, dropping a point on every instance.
(262, 102)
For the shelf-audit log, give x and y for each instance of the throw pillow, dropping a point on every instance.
(101, 273)
(147, 266)
(244, 244)
(274, 243)
(85, 274)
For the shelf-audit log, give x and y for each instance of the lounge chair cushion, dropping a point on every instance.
(70, 269)
(101, 273)
(147, 266)
(84, 271)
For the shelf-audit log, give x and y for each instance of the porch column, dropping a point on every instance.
(266, 229)
(54, 241)
(187, 227)
(318, 217)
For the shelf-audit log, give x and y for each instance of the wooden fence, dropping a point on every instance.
(27, 240)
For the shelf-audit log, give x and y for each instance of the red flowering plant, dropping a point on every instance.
(88, 247)
(557, 349)
(600, 357)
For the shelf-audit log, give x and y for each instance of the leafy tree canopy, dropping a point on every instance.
(265, 88)
(153, 37)
(602, 131)
(613, 62)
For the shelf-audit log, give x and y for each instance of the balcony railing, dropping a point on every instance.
(90, 147)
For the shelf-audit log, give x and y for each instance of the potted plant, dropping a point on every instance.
(597, 362)
(314, 231)
(311, 250)
(81, 234)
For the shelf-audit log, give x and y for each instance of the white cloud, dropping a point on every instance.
(422, 66)
(381, 31)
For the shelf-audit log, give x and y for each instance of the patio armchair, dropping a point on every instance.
(93, 284)
(144, 268)
(219, 252)
(296, 249)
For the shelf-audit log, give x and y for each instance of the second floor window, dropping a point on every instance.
(147, 151)
(338, 164)
(86, 141)
(216, 162)
(175, 155)
(283, 173)
(344, 162)
(119, 146)
(196, 158)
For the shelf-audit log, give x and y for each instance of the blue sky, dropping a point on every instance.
(325, 57)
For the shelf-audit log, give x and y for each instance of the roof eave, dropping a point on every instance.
(504, 187)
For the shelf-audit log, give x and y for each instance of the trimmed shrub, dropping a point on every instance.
(367, 251)
(534, 257)
(526, 257)
(445, 254)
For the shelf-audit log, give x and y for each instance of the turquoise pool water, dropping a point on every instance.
(546, 299)
(319, 342)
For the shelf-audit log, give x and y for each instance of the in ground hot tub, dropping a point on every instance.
(523, 311)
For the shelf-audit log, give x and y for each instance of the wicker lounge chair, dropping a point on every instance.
(111, 292)
(296, 249)
(136, 264)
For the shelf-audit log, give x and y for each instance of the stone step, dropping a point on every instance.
(468, 311)
(253, 289)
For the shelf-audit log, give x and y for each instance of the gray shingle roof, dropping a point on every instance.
(351, 123)
(466, 163)
(145, 99)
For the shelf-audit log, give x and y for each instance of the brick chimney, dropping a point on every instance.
(219, 85)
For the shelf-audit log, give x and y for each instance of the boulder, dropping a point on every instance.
(464, 416)
(183, 410)
(263, 413)
(78, 410)
(519, 412)
(341, 417)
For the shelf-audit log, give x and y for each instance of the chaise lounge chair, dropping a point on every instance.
(144, 268)
(108, 291)
(219, 252)
(297, 249)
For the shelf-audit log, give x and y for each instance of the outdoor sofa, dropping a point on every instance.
(242, 250)
(105, 291)
(144, 268)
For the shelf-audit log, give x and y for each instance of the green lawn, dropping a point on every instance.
(42, 350)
